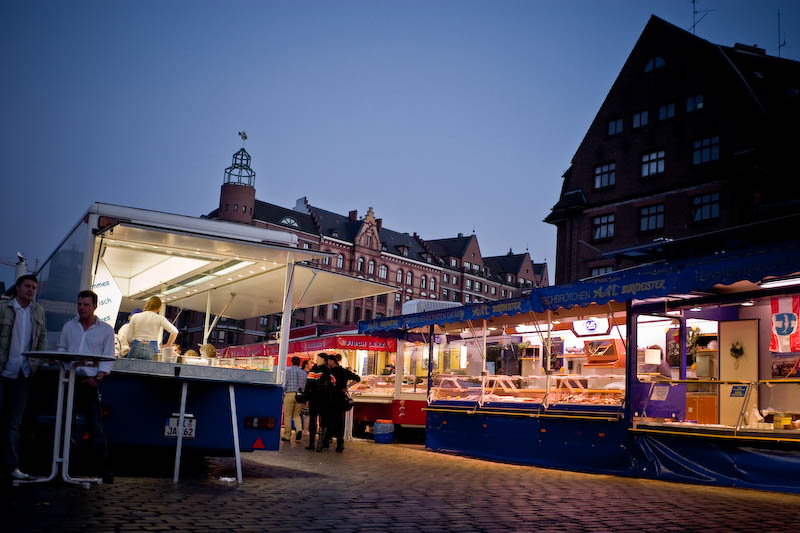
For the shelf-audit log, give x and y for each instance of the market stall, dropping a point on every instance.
(127, 255)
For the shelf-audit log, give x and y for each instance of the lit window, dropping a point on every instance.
(705, 150)
(666, 111)
(603, 227)
(289, 221)
(640, 119)
(615, 126)
(423, 282)
(599, 271)
(654, 63)
(340, 261)
(705, 207)
(383, 271)
(694, 103)
(399, 275)
(653, 163)
(651, 218)
(605, 175)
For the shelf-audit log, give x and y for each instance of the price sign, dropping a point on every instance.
(738, 391)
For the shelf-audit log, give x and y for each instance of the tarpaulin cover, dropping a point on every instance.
(341, 342)
(478, 311)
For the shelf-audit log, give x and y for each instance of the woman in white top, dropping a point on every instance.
(144, 331)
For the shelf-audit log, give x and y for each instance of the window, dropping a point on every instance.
(399, 275)
(371, 268)
(289, 221)
(381, 299)
(356, 314)
(705, 150)
(409, 278)
(666, 111)
(468, 284)
(603, 227)
(263, 321)
(467, 265)
(494, 291)
(640, 119)
(432, 285)
(605, 175)
(445, 294)
(478, 286)
(454, 262)
(654, 63)
(705, 207)
(455, 280)
(615, 126)
(383, 271)
(326, 260)
(405, 251)
(235, 207)
(694, 103)
(503, 293)
(509, 278)
(651, 218)
(456, 296)
(379, 315)
(321, 311)
(336, 311)
(599, 271)
(466, 298)
(368, 314)
(445, 278)
(360, 267)
(340, 261)
(423, 282)
(306, 246)
(397, 297)
(653, 163)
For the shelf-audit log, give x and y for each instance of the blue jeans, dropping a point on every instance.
(143, 350)
(13, 397)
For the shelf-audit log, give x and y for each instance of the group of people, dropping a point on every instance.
(23, 329)
(323, 390)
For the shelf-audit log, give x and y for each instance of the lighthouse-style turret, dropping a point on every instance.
(238, 195)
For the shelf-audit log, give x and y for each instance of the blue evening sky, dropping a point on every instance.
(444, 116)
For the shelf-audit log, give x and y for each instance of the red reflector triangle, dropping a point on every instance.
(85, 436)
(258, 445)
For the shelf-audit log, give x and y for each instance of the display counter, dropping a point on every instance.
(376, 397)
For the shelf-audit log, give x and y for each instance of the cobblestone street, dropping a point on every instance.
(396, 488)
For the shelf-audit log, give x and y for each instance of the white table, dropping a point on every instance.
(63, 360)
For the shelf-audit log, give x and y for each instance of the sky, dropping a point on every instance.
(443, 116)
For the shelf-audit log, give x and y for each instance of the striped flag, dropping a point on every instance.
(785, 333)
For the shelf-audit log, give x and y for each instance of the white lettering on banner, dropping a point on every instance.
(109, 297)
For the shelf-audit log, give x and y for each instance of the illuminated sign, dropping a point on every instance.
(590, 326)
(109, 297)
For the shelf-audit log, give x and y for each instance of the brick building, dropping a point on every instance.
(443, 269)
(691, 145)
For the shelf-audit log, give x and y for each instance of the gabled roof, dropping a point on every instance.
(335, 225)
(393, 241)
(506, 264)
(452, 247)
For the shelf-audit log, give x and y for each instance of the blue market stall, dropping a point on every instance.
(684, 370)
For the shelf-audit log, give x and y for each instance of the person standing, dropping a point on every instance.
(317, 387)
(340, 377)
(22, 329)
(293, 382)
(305, 367)
(144, 331)
(86, 334)
(122, 335)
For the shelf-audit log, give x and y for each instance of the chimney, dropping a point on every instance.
(379, 223)
(460, 235)
(415, 235)
(353, 215)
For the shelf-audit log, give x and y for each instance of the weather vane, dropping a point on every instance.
(243, 135)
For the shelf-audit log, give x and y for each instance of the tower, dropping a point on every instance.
(237, 197)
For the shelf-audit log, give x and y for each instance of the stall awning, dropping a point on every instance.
(339, 342)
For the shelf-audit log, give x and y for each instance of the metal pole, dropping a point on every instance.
(84, 482)
(235, 426)
(399, 365)
(175, 474)
(216, 318)
(430, 360)
(286, 318)
(206, 330)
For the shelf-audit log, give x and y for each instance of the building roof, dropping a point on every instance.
(510, 263)
(452, 247)
(335, 225)
(276, 214)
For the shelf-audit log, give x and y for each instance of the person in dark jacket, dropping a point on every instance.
(340, 377)
(317, 390)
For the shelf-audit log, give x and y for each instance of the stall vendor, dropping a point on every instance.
(144, 331)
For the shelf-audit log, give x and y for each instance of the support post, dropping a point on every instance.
(181, 416)
(286, 318)
(206, 330)
(235, 427)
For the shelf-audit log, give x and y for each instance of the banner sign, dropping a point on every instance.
(342, 342)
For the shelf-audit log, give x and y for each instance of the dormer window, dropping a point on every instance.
(403, 250)
(289, 221)
(654, 63)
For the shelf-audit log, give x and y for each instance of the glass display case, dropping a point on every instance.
(599, 389)
(517, 390)
(456, 388)
(382, 387)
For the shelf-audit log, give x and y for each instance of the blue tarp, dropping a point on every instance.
(447, 316)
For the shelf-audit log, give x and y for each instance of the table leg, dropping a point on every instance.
(184, 388)
(68, 437)
(236, 435)
(56, 434)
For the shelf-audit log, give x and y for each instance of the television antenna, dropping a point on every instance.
(695, 12)
(783, 43)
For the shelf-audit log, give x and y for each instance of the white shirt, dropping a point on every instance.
(98, 339)
(20, 342)
(146, 326)
(122, 337)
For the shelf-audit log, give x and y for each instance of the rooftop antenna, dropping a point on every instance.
(780, 44)
(695, 12)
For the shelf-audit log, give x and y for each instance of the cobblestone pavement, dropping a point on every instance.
(394, 488)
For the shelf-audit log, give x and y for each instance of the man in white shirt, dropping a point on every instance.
(22, 329)
(86, 334)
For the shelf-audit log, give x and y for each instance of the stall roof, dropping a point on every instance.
(184, 259)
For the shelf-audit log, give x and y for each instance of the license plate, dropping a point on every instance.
(189, 427)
